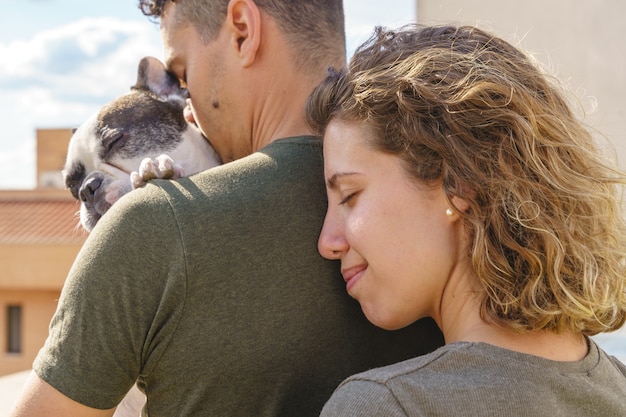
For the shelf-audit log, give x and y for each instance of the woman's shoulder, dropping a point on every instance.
(478, 379)
(444, 357)
(462, 363)
(386, 390)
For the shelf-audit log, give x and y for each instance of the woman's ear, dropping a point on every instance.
(244, 18)
(460, 203)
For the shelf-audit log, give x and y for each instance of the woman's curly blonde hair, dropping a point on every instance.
(464, 107)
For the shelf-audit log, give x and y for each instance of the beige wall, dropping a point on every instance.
(39, 267)
(37, 310)
(581, 40)
(31, 276)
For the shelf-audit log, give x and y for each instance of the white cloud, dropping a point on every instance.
(17, 167)
(89, 56)
(362, 16)
(59, 77)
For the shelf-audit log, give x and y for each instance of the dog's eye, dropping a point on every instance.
(111, 136)
(74, 187)
(74, 178)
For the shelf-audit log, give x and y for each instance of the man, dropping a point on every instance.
(209, 291)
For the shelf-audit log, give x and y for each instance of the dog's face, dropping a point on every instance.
(144, 123)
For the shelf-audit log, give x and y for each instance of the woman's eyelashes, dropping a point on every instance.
(348, 198)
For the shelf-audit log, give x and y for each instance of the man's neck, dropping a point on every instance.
(281, 113)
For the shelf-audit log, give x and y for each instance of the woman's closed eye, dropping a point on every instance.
(348, 198)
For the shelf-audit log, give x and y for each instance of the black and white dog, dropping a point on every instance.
(136, 137)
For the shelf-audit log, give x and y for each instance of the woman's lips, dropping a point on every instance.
(352, 275)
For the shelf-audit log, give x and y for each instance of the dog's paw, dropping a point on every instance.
(160, 167)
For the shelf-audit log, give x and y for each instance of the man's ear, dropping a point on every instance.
(244, 18)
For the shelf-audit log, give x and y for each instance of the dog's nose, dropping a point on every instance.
(88, 190)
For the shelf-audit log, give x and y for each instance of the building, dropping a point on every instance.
(39, 239)
(577, 40)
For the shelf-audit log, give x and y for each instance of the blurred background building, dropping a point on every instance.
(39, 239)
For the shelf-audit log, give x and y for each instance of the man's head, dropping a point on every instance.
(315, 28)
(249, 65)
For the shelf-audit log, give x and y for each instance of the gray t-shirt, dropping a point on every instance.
(478, 379)
(210, 291)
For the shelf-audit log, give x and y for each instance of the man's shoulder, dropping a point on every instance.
(292, 163)
(304, 146)
(282, 161)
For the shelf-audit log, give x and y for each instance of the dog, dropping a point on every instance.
(139, 136)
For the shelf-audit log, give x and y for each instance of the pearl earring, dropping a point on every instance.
(449, 212)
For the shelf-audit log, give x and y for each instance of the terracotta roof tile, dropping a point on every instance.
(39, 217)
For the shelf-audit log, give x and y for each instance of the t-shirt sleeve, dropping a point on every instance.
(363, 398)
(120, 304)
(620, 365)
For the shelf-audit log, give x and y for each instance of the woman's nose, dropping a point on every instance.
(332, 242)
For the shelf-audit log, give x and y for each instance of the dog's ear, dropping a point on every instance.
(152, 76)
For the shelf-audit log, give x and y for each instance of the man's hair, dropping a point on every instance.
(465, 109)
(314, 28)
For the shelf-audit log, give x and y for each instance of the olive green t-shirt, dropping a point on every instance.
(210, 292)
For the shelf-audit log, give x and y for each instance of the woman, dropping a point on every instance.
(462, 187)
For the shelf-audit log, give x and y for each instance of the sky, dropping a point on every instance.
(61, 60)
